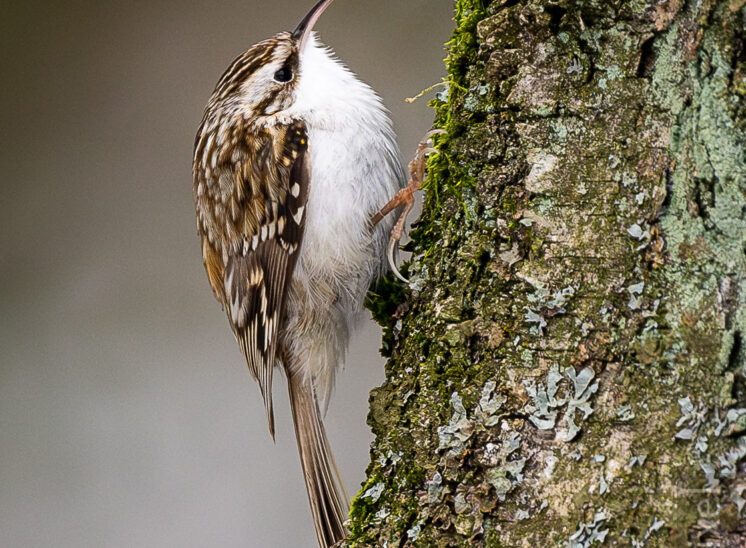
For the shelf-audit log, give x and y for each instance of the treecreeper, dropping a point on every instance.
(295, 167)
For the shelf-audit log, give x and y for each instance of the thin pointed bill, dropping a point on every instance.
(304, 28)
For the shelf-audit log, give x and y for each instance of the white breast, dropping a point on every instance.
(355, 170)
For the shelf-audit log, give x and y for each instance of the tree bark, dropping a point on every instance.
(567, 366)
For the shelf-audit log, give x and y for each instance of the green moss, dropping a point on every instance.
(385, 296)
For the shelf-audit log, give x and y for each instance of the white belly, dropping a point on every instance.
(351, 179)
(355, 171)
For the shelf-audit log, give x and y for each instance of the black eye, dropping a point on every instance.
(283, 75)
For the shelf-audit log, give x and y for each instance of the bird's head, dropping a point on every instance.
(264, 80)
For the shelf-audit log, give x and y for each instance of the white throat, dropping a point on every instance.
(330, 95)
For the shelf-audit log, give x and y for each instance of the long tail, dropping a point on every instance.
(323, 483)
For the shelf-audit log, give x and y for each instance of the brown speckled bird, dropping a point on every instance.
(293, 159)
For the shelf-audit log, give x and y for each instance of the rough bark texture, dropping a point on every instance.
(568, 365)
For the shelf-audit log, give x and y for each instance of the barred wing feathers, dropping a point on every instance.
(260, 219)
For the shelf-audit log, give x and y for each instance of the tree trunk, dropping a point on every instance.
(567, 366)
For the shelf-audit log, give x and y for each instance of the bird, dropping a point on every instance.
(293, 162)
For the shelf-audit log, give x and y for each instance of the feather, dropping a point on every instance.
(240, 223)
(326, 495)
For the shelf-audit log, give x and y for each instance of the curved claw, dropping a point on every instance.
(435, 132)
(392, 262)
(405, 197)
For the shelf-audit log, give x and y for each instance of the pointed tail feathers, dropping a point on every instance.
(324, 486)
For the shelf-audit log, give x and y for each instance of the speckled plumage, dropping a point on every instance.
(286, 178)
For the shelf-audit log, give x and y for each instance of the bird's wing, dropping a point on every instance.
(251, 238)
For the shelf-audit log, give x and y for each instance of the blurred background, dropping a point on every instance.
(127, 415)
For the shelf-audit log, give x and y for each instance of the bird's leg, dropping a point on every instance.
(405, 197)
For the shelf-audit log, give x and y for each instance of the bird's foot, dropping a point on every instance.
(405, 197)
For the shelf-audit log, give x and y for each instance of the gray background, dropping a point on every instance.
(127, 415)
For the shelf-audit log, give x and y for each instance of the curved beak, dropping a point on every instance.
(304, 28)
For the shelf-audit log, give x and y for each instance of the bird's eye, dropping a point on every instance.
(283, 75)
